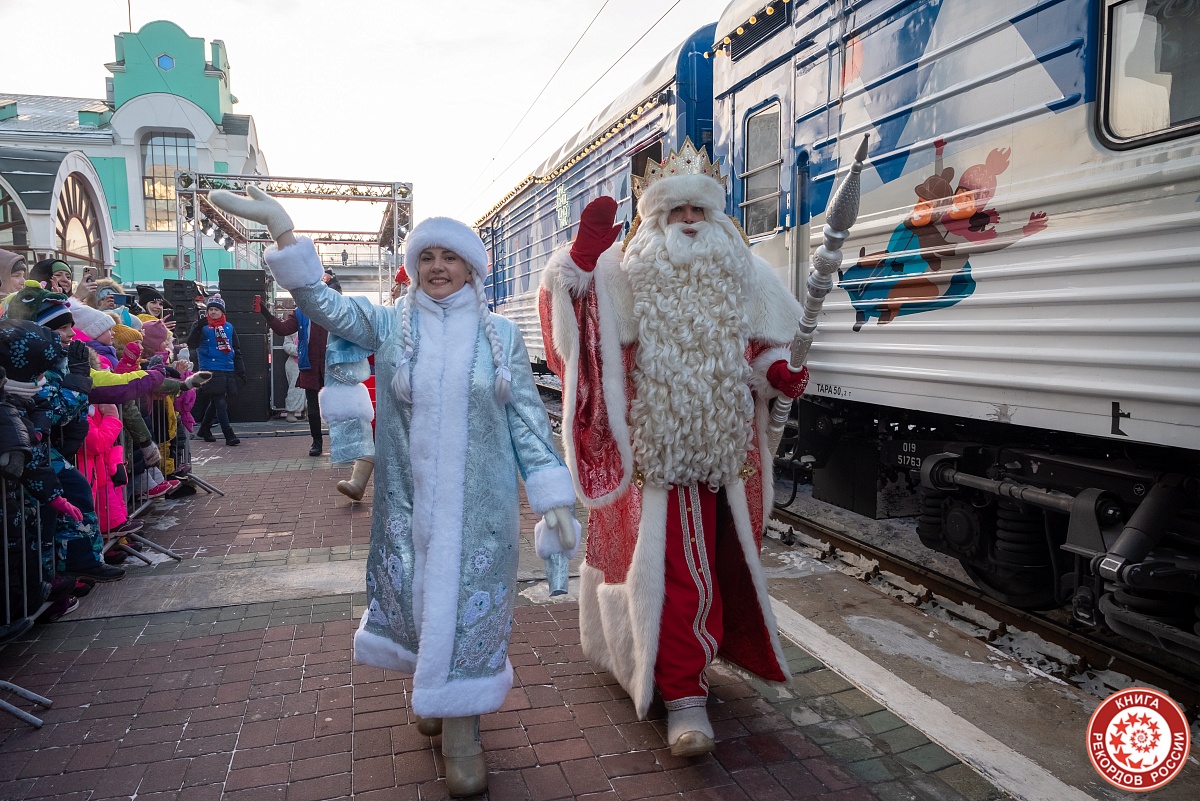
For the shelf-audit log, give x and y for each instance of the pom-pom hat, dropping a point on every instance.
(124, 334)
(154, 335)
(92, 322)
(444, 232)
(54, 313)
(215, 300)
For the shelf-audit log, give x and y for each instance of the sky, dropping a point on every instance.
(421, 91)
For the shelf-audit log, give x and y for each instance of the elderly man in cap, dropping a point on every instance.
(670, 348)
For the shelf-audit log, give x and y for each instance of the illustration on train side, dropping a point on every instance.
(1009, 351)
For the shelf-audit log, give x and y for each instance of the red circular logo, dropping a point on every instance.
(1138, 739)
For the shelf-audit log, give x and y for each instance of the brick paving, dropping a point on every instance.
(262, 700)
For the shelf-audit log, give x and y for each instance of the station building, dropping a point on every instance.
(92, 181)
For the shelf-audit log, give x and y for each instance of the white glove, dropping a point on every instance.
(258, 206)
(151, 455)
(557, 532)
(197, 379)
(561, 520)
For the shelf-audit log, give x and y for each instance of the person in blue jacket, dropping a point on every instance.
(213, 344)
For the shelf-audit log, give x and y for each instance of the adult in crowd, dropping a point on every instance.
(12, 271)
(214, 347)
(295, 403)
(58, 276)
(112, 298)
(670, 349)
(459, 419)
(311, 341)
(156, 306)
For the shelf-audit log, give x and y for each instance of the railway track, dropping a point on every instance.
(989, 619)
(986, 617)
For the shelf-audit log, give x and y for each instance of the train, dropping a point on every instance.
(1009, 353)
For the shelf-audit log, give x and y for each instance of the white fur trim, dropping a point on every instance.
(562, 271)
(771, 311)
(626, 640)
(758, 375)
(444, 232)
(346, 402)
(371, 649)
(296, 265)
(547, 543)
(437, 450)
(548, 488)
(463, 697)
(695, 189)
(735, 494)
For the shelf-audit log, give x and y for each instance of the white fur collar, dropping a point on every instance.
(464, 298)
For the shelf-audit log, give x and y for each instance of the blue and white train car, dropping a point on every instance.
(1017, 313)
(673, 101)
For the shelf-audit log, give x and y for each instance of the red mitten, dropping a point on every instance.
(65, 507)
(791, 384)
(596, 232)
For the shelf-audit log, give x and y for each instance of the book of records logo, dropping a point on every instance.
(1138, 739)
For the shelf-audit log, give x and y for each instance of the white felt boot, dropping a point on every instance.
(359, 476)
(688, 731)
(466, 770)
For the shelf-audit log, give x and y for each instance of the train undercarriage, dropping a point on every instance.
(1039, 520)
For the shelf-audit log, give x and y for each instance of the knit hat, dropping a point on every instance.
(154, 336)
(92, 322)
(45, 268)
(443, 232)
(148, 293)
(123, 335)
(27, 349)
(10, 261)
(215, 300)
(54, 313)
(402, 276)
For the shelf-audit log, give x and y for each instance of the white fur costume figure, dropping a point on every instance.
(670, 350)
(458, 418)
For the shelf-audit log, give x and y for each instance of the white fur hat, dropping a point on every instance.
(693, 188)
(92, 322)
(444, 232)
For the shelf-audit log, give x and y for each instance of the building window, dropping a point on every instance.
(760, 181)
(14, 234)
(1153, 69)
(165, 62)
(162, 155)
(77, 225)
(171, 262)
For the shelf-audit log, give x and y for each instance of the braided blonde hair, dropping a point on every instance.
(402, 380)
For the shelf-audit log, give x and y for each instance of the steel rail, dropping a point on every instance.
(1093, 653)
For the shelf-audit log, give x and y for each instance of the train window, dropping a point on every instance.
(760, 181)
(642, 157)
(1153, 68)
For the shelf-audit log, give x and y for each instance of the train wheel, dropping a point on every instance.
(1029, 588)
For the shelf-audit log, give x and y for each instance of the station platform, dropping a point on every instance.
(229, 675)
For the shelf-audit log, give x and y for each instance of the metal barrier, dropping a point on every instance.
(26, 585)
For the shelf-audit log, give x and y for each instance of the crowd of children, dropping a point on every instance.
(96, 405)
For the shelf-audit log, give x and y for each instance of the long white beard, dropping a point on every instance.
(692, 411)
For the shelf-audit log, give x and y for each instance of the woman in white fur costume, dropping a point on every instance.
(461, 419)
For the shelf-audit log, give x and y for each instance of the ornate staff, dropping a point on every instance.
(843, 211)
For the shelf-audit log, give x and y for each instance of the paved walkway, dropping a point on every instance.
(216, 678)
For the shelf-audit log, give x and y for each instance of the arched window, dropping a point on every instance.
(78, 225)
(162, 155)
(14, 234)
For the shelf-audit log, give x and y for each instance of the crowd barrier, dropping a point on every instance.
(123, 488)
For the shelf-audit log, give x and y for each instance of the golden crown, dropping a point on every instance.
(686, 161)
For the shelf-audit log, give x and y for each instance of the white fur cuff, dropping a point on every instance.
(547, 543)
(295, 265)
(341, 402)
(548, 488)
(758, 371)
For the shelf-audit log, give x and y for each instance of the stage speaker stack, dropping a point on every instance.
(182, 297)
(238, 288)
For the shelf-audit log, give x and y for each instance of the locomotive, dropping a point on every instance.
(1008, 352)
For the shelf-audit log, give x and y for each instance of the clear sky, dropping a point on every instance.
(394, 90)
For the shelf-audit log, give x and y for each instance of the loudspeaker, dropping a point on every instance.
(252, 404)
(252, 281)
